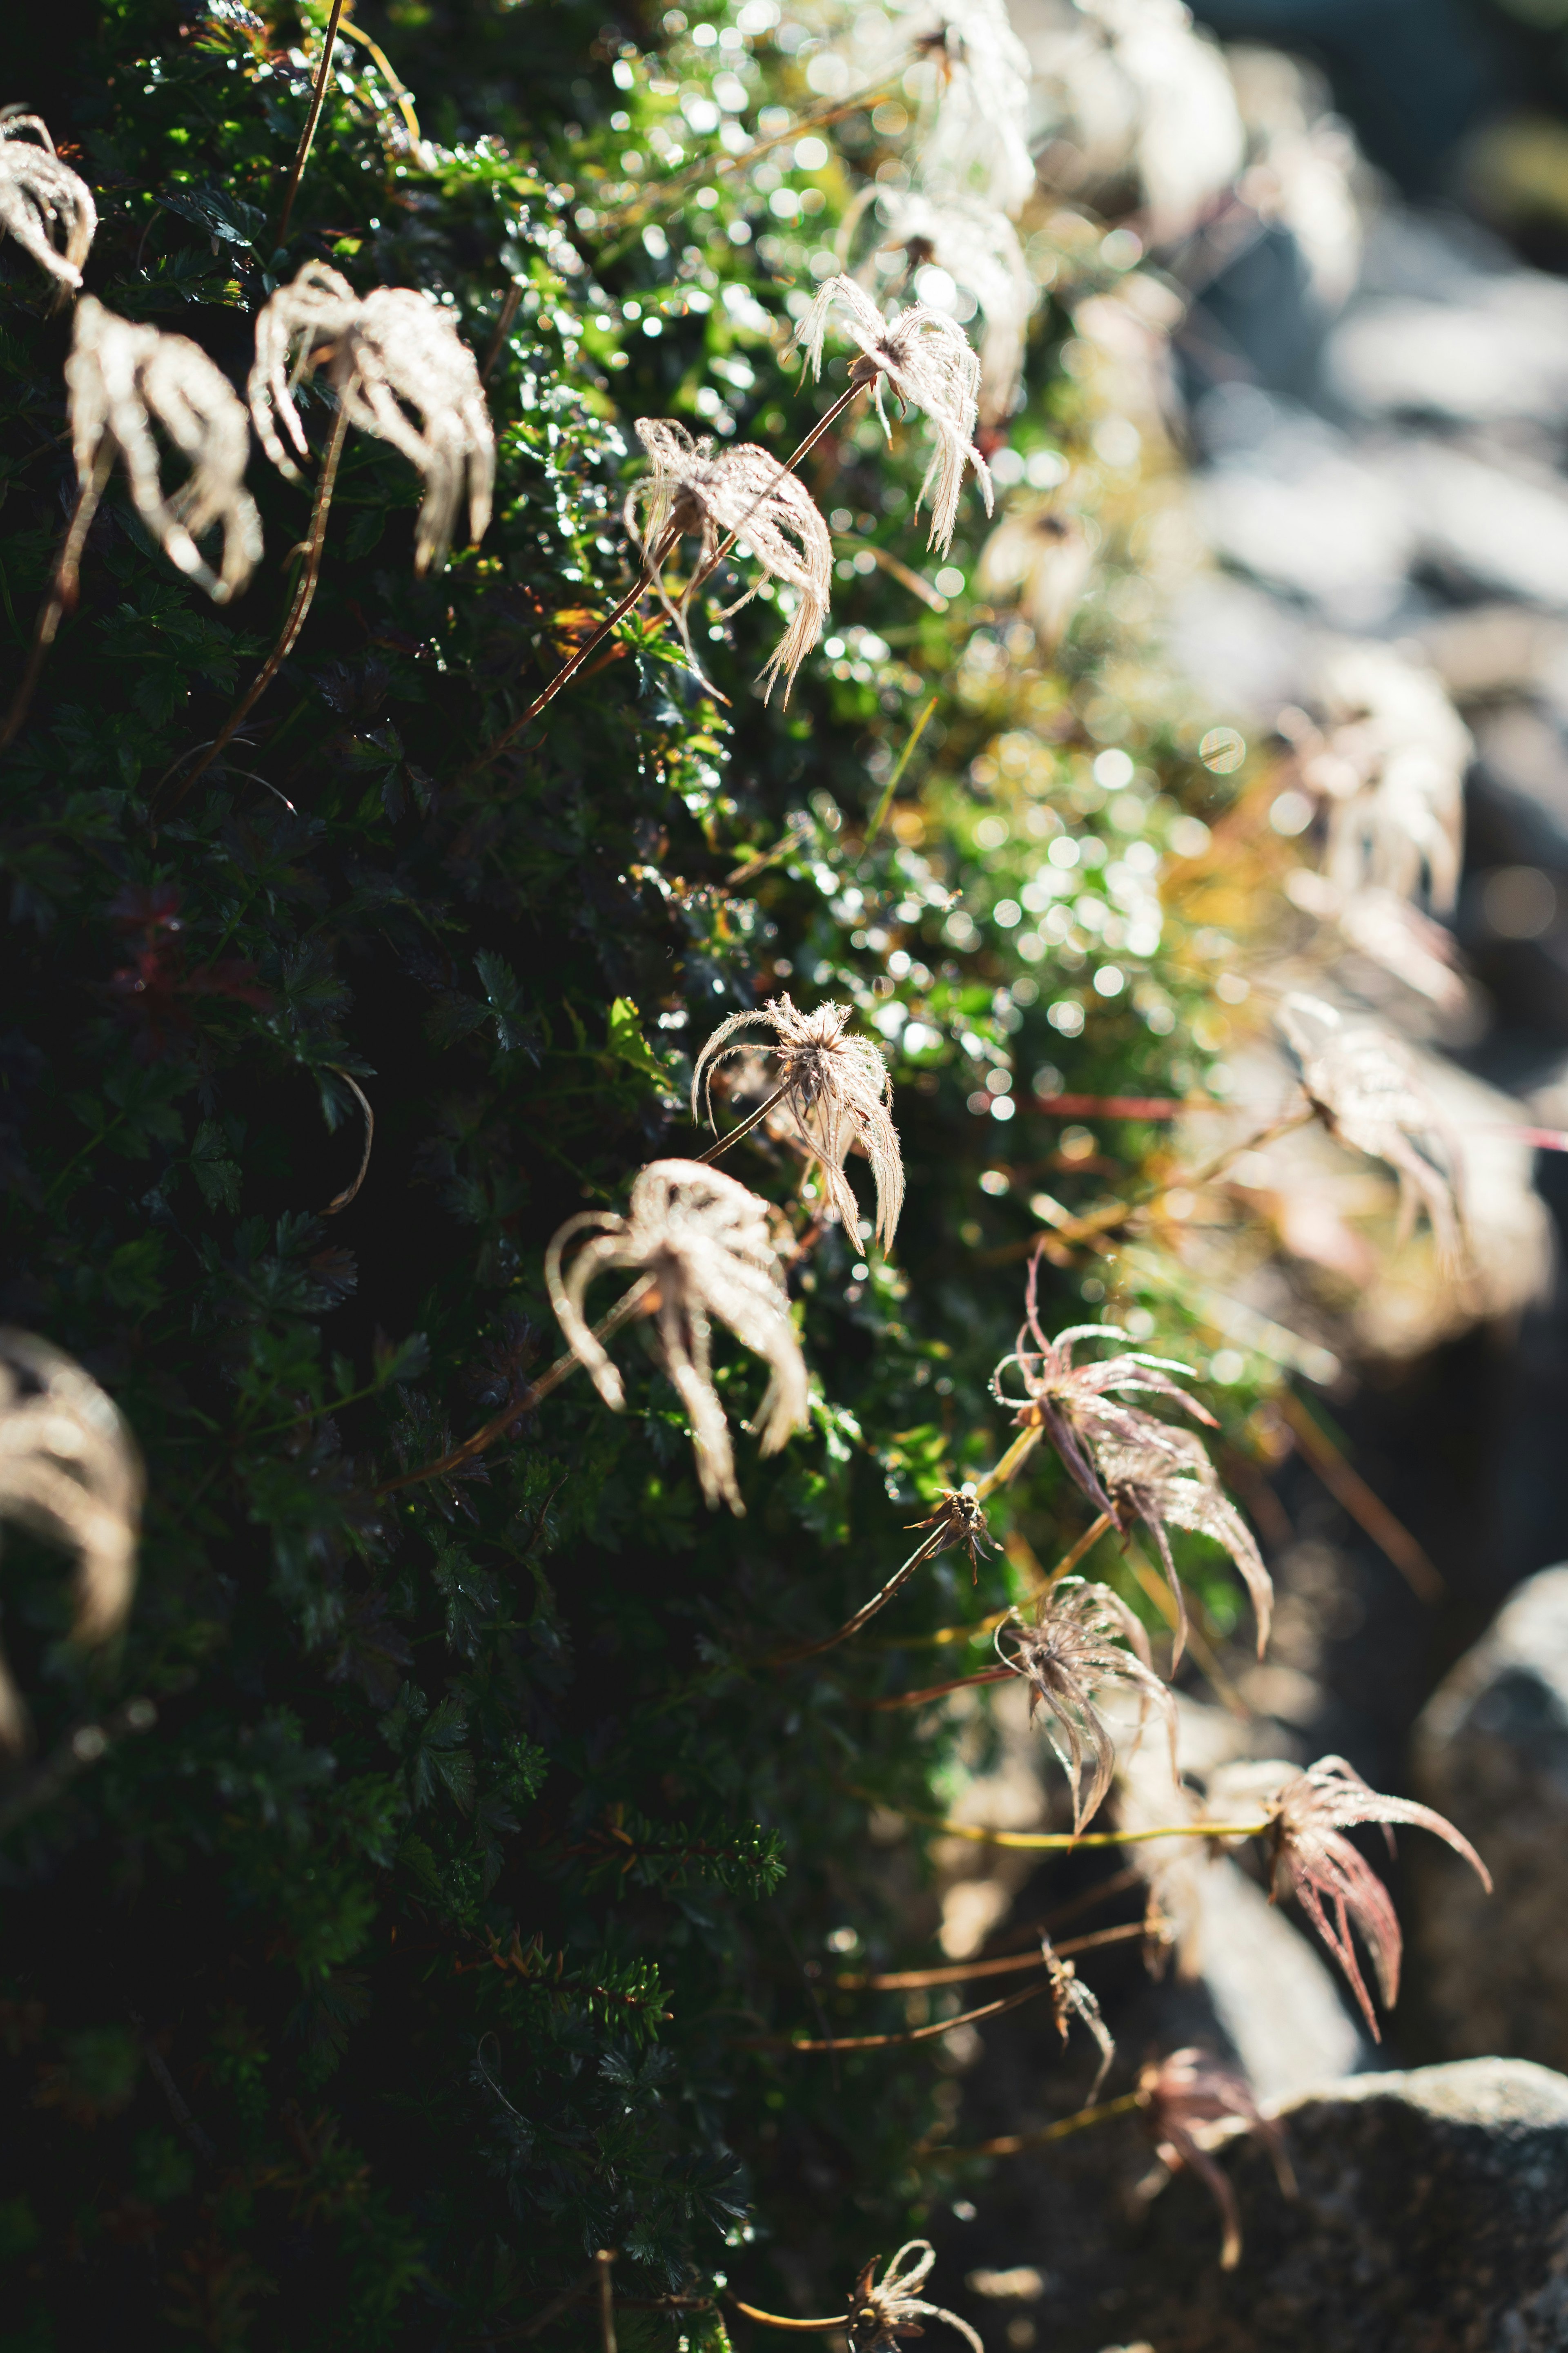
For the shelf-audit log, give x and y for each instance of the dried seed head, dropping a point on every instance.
(961, 1520)
(839, 1090)
(1188, 2100)
(1071, 1999)
(68, 1472)
(1364, 1087)
(401, 371)
(696, 493)
(706, 1242)
(123, 380)
(924, 356)
(978, 246)
(1313, 1860)
(1044, 559)
(39, 196)
(1083, 1638)
(976, 139)
(880, 2313)
(1390, 770)
(1124, 1460)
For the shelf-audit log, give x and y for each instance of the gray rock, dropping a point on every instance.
(1491, 1752)
(1432, 2217)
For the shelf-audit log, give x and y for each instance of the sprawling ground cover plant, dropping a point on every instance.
(420, 1890)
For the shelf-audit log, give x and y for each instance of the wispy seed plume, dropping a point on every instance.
(43, 206)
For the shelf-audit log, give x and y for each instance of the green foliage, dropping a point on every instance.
(425, 1940)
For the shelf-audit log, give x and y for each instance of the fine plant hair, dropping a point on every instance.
(1310, 1858)
(1083, 1638)
(839, 1089)
(43, 206)
(925, 357)
(882, 2311)
(1189, 2099)
(400, 371)
(695, 492)
(1125, 1461)
(1364, 1087)
(1071, 1999)
(706, 1242)
(69, 1472)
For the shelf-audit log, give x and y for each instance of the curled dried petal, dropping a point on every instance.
(880, 2312)
(1184, 2097)
(401, 371)
(42, 199)
(1084, 1637)
(123, 380)
(706, 1242)
(838, 1088)
(69, 1472)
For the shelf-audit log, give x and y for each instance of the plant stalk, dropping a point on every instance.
(307, 135)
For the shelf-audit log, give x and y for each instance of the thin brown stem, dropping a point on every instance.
(569, 668)
(777, 2320)
(1368, 1510)
(341, 1200)
(1014, 2144)
(635, 1302)
(304, 597)
(753, 1119)
(604, 2265)
(939, 1691)
(61, 597)
(508, 310)
(1005, 1965)
(938, 2026)
(900, 1578)
(307, 135)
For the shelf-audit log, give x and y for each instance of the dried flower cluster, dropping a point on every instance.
(925, 358)
(43, 206)
(706, 1242)
(1127, 1462)
(1189, 2099)
(68, 1472)
(1361, 1082)
(401, 372)
(1084, 1637)
(124, 380)
(694, 494)
(839, 1089)
(884, 2311)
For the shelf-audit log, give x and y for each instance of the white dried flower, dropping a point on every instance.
(125, 379)
(1045, 559)
(926, 358)
(978, 248)
(706, 1242)
(975, 139)
(1363, 1086)
(695, 492)
(68, 1472)
(1390, 769)
(880, 2315)
(1083, 1638)
(401, 371)
(838, 1088)
(39, 196)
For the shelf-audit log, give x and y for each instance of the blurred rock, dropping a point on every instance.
(1491, 1752)
(1432, 2217)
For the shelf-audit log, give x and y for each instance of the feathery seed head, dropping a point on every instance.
(1126, 1460)
(123, 380)
(838, 1087)
(696, 493)
(925, 356)
(1335, 1885)
(961, 1520)
(1083, 1638)
(1071, 1999)
(891, 2308)
(706, 1242)
(41, 195)
(401, 371)
(1188, 2099)
(1364, 1087)
(68, 1472)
